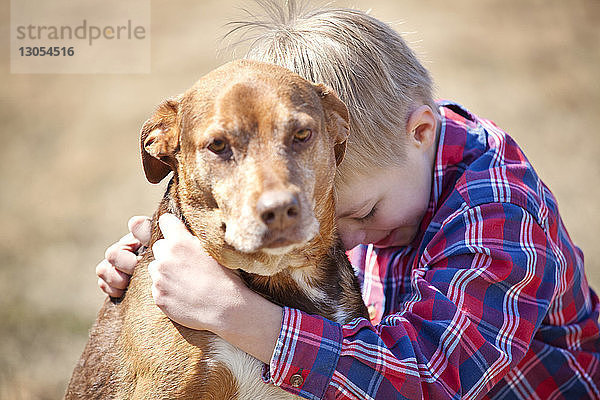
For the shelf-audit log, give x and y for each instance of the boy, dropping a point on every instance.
(475, 288)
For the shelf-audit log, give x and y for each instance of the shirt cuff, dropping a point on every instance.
(306, 354)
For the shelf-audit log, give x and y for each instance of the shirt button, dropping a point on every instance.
(296, 380)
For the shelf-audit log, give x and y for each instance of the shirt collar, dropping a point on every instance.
(452, 156)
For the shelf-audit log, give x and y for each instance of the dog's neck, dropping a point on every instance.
(327, 288)
(316, 278)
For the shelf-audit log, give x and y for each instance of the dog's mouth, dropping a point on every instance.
(278, 242)
(282, 245)
(273, 242)
(281, 250)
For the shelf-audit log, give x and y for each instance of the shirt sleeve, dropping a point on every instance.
(480, 290)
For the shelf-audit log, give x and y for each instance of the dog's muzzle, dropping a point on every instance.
(280, 222)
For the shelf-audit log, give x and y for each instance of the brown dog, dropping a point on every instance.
(253, 148)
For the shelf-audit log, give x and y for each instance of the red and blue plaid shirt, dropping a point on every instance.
(489, 301)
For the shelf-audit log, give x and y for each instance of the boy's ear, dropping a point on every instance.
(337, 119)
(422, 127)
(159, 141)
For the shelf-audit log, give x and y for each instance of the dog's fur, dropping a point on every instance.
(261, 112)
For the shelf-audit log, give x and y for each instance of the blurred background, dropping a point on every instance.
(71, 175)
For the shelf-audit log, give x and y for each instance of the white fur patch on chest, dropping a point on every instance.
(342, 316)
(302, 277)
(248, 373)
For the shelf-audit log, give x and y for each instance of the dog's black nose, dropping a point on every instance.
(278, 209)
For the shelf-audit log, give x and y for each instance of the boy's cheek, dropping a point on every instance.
(350, 238)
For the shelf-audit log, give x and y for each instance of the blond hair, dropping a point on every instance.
(363, 59)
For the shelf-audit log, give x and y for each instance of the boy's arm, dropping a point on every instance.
(480, 292)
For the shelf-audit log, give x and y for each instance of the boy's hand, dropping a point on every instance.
(120, 258)
(191, 288)
(188, 285)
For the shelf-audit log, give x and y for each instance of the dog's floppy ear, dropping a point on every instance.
(159, 141)
(337, 119)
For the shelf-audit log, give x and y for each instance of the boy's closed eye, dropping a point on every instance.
(369, 215)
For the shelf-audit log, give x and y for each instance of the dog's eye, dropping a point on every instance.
(302, 135)
(218, 146)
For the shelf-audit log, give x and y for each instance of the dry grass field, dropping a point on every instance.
(71, 175)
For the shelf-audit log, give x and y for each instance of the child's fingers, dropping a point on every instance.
(123, 259)
(172, 228)
(112, 292)
(130, 242)
(141, 229)
(113, 278)
(158, 249)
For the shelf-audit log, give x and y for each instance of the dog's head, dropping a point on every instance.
(254, 149)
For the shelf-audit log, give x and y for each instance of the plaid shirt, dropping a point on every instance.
(490, 300)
